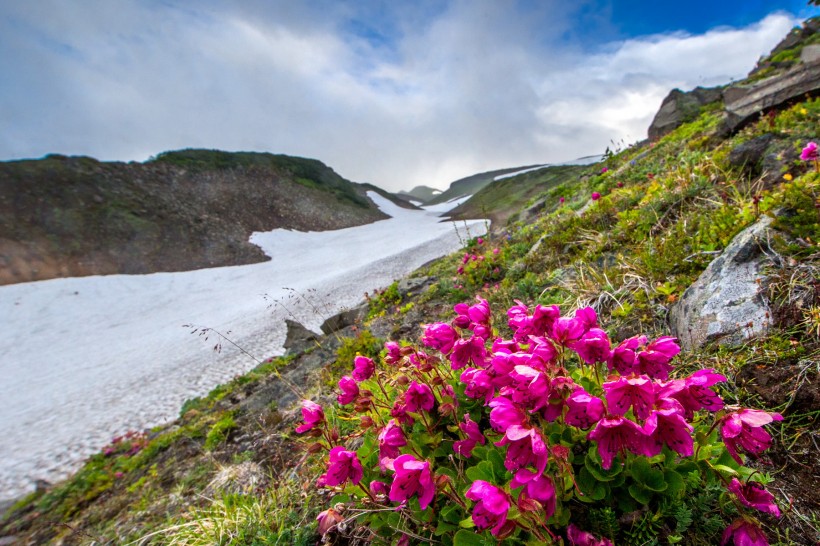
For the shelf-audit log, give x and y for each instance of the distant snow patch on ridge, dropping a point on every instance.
(448, 206)
(516, 173)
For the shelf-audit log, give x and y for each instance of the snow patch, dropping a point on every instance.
(84, 359)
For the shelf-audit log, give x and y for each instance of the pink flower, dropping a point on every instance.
(480, 241)
(744, 429)
(327, 520)
(694, 393)
(466, 351)
(744, 533)
(413, 477)
(584, 409)
(577, 537)
(536, 486)
(391, 438)
(393, 352)
(363, 368)
(604, 169)
(492, 506)
(440, 336)
(470, 428)
(615, 435)
(566, 330)
(527, 448)
(343, 465)
(593, 347)
(623, 357)
(754, 495)
(478, 384)
(620, 184)
(667, 426)
(419, 397)
(596, 196)
(480, 312)
(350, 390)
(809, 153)
(654, 360)
(496, 251)
(313, 415)
(505, 414)
(529, 387)
(561, 200)
(378, 487)
(635, 392)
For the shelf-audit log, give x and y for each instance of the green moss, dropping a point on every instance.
(219, 432)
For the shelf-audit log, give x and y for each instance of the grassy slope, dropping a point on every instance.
(630, 255)
(471, 184)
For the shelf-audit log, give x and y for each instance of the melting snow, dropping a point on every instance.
(85, 359)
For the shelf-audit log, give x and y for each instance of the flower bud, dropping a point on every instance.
(446, 409)
(366, 422)
(334, 434)
(315, 447)
(442, 480)
(315, 433)
(402, 380)
(527, 504)
(328, 519)
(407, 351)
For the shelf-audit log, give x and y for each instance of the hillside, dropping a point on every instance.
(190, 209)
(471, 184)
(627, 248)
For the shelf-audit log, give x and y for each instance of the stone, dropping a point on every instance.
(810, 54)
(414, 285)
(744, 102)
(348, 317)
(680, 107)
(725, 305)
(298, 338)
(748, 155)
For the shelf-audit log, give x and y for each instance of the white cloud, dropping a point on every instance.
(472, 87)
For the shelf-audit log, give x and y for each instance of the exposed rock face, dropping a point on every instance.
(298, 338)
(349, 317)
(725, 304)
(745, 102)
(680, 107)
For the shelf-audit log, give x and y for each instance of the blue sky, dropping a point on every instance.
(393, 93)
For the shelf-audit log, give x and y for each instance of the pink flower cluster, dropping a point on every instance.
(525, 383)
(809, 153)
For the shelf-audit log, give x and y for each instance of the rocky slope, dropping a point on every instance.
(75, 216)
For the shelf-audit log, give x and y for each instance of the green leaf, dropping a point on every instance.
(640, 494)
(675, 482)
(592, 489)
(497, 460)
(451, 513)
(594, 467)
(467, 538)
(467, 523)
(481, 471)
(723, 469)
(650, 478)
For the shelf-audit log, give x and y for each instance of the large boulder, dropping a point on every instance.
(681, 107)
(725, 304)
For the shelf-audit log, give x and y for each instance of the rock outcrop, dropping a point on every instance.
(680, 107)
(744, 102)
(725, 304)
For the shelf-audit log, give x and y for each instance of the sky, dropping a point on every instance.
(397, 94)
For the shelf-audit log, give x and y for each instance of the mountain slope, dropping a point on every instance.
(75, 216)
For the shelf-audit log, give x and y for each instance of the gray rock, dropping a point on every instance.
(298, 338)
(532, 211)
(810, 54)
(415, 285)
(344, 319)
(680, 107)
(748, 155)
(745, 102)
(725, 304)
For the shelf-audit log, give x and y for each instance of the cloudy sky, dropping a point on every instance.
(389, 92)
